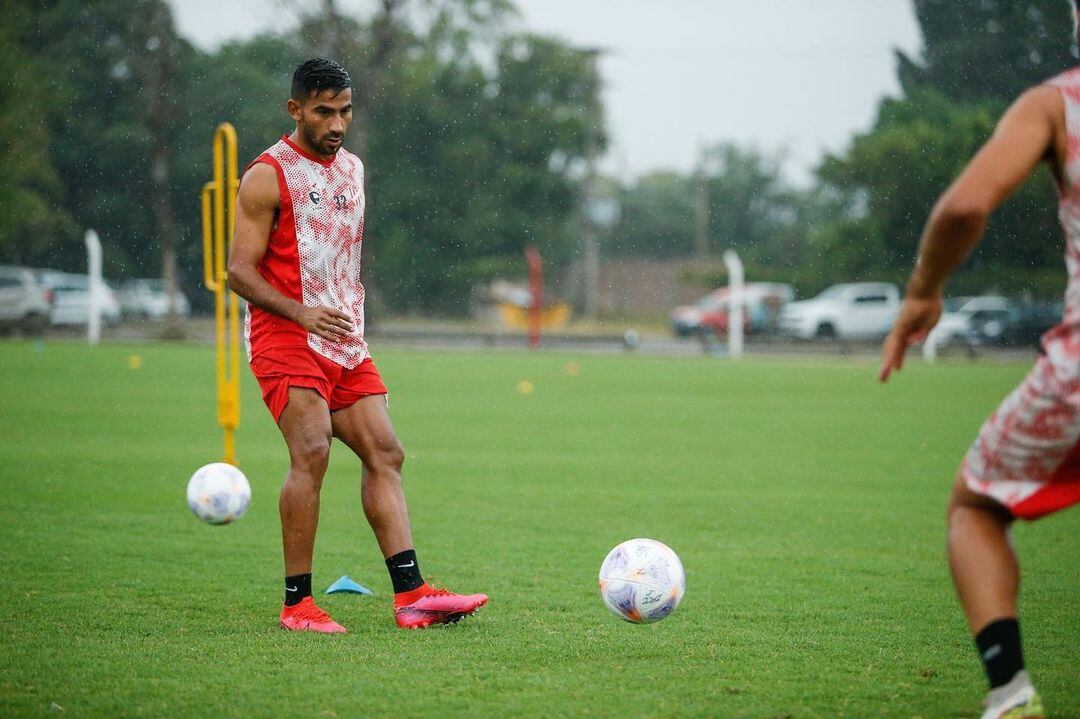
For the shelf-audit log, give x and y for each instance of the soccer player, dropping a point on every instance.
(1025, 462)
(295, 257)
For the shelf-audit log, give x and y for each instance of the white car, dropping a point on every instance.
(858, 310)
(24, 303)
(762, 302)
(71, 298)
(957, 322)
(147, 298)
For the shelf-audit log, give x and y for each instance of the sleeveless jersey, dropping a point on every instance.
(313, 254)
(1027, 453)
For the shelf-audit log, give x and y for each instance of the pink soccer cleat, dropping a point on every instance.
(306, 617)
(427, 605)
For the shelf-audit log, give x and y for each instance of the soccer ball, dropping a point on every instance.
(642, 581)
(218, 493)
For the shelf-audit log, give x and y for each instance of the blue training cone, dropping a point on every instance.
(347, 585)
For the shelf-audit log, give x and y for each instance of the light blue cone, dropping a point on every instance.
(347, 585)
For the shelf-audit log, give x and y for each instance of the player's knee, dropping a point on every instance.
(394, 455)
(310, 454)
(390, 457)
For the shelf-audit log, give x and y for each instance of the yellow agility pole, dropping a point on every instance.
(218, 210)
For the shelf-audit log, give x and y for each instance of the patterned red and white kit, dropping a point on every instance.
(313, 254)
(1026, 456)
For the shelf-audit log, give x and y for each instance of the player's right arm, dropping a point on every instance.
(1028, 133)
(257, 203)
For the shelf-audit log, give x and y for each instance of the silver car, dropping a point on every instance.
(71, 298)
(147, 298)
(24, 303)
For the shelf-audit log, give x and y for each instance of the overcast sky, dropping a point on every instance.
(779, 74)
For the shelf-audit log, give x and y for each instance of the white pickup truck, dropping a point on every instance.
(860, 310)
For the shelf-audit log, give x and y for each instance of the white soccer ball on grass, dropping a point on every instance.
(218, 493)
(642, 581)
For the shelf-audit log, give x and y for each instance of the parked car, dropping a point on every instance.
(859, 310)
(24, 303)
(998, 322)
(148, 299)
(963, 315)
(762, 302)
(71, 298)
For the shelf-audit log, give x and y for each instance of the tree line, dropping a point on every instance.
(861, 217)
(475, 135)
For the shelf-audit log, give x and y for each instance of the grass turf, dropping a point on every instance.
(805, 501)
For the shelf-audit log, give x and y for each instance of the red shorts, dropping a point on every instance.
(279, 369)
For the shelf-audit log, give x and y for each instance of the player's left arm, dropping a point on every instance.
(1025, 136)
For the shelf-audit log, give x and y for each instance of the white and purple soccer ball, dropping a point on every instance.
(642, 581)
(218, 493)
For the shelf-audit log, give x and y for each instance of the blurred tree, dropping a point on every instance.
(156, 64)
(978, 56)
(475, 164)
(105, 137)
(474, 135)
(976, 50)
(656, 218)
(35, 219)
(749, 206)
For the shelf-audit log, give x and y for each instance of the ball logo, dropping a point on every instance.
(651, 596)
(315, 197)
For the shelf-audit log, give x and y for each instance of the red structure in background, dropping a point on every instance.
(536, 293)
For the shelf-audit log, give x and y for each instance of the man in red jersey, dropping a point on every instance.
(1025, 461)
(295, 257)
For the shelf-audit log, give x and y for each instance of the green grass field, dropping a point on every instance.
(806, 502)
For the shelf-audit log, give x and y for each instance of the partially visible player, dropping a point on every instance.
(1025, 462)
(296, 258)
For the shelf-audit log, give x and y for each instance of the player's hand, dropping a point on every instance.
(326, 322)
(917, 317)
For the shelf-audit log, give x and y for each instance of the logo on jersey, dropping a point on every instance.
(315, 197)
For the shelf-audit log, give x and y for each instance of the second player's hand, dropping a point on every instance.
(326, 322)
(917, 317)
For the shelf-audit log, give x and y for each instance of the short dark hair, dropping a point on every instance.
(318, 74)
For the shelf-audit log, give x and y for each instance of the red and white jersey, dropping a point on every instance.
(1027, 454)
(313, 255)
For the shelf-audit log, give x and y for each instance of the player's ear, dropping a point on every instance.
(294, 109)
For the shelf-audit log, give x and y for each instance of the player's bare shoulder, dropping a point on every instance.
(1039, 105)
(1045, 105)
(1045, 101)
(259, 190)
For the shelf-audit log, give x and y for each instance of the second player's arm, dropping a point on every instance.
(257, 203)
(1024, 137)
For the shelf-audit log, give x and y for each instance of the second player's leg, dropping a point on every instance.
(981, 557)
(305, 424)
(365, 427)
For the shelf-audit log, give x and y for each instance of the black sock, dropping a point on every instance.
(999, 647)
(404, 571)
(296, 588)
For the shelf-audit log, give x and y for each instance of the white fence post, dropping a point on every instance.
(735, 303)
(929, 348)
(96, 288)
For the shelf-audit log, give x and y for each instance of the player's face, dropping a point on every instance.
(323, 119)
